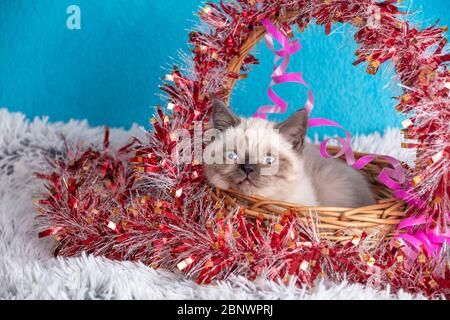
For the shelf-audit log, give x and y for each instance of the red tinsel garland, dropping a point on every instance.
(137, 204)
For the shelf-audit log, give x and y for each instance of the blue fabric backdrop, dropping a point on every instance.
(109, 71)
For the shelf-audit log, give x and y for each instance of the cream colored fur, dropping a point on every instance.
(258, 136)
(303, 176)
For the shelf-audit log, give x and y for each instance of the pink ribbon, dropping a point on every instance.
(279, 74)
(431, 241)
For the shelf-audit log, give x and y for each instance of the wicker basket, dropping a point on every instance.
(332, 223)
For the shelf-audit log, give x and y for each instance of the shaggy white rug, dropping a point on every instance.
(28, 269)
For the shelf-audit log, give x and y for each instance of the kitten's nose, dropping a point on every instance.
(247, 168)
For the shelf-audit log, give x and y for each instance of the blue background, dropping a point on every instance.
(110, 70)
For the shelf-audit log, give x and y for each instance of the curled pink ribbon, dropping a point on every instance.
(279, 75)
(429, 241)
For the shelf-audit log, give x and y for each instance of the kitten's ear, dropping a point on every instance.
(222, 117)
(294, 129)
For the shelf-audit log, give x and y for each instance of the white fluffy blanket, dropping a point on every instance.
(28, 269)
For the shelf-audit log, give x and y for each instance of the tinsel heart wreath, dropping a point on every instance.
(137, 204)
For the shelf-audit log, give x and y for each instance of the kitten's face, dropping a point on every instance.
(253, 156)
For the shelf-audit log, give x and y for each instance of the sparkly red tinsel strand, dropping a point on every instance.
(136, 204)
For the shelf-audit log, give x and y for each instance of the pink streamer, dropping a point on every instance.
(430, 242)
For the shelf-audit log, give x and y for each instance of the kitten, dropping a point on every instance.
(258, 157)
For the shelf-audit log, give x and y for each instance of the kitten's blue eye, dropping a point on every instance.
(231, 155)
(269, 159)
